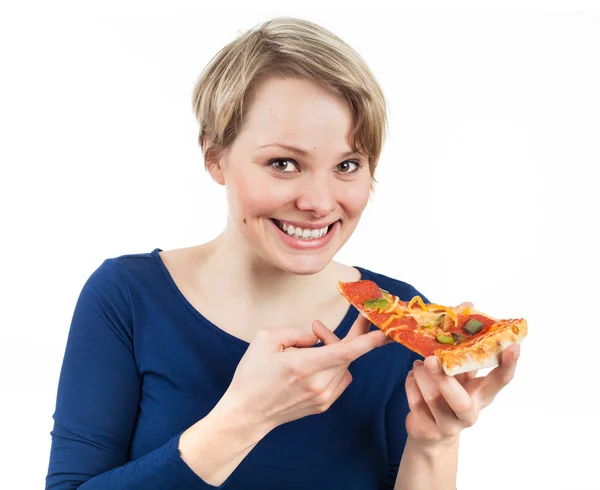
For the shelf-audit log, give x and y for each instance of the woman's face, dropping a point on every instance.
(295, 188)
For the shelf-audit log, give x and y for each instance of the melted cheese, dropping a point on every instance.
(443, 309)
(431, 307)
(423, 315)
(391, 308)
(388, 321)
(415, 300)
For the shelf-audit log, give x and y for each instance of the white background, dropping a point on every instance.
(492, 159)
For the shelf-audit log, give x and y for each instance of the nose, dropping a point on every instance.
(317, 196)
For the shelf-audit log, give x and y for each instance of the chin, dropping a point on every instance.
(303, 266)
(302, 262)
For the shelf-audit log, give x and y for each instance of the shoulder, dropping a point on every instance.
(403, 290)
(134, 263)
(115, 275)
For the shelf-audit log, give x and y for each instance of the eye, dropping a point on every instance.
(348, 167)
(284, 165)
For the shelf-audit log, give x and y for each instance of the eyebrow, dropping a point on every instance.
(302, 152)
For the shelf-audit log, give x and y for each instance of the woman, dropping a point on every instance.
(193, 368)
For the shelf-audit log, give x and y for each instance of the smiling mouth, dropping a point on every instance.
(303, 233)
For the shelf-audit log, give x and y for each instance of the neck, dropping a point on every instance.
(233, 265)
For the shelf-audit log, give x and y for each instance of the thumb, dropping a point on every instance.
(280, 339)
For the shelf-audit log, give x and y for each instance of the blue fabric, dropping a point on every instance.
(142, 365)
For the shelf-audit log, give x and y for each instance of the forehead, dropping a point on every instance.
(297, 111)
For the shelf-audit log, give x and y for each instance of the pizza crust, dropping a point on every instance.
(484, 351)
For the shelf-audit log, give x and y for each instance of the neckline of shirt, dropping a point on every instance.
(340, 331)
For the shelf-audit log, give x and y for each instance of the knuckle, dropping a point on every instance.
(316, 390)
(346, 357)
(295, 371)
(315, 393)
(431, 398)
(322, 399)
(322, 408)
(415, 406)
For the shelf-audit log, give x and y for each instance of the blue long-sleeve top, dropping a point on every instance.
(142, 365)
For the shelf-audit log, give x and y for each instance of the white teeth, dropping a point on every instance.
(305, 234)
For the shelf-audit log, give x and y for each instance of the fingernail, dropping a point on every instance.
(433, 365)
(418, 363)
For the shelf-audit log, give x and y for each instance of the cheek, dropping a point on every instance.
(254, 196)
(355, 198)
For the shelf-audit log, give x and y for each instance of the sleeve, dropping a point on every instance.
(98, 399)
(395, 415)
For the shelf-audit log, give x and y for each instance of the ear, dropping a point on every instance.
(216, 171)
(212, 161)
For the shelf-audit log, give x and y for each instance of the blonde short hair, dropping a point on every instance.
(287, 47)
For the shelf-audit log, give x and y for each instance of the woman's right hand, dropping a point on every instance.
(279, 379)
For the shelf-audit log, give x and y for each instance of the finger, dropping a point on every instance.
(453, 393)
(280, 339)
(342, 383)
(338, 375)
(321, 386)
(499, 377)
(416, 402)
(360, 326)
(342, 353)
(323, 333)
(389, 340)
(431, 394)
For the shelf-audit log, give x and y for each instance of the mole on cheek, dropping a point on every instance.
(244, 221)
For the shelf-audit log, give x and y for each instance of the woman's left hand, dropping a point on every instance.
(441, 405)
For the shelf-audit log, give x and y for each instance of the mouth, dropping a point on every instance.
(304, 234)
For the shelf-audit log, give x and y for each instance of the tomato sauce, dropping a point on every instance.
(360, 291)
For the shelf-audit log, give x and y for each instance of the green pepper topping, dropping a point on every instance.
(458, 338)
(445, 339)
(380, 304)
(438, 321)
(473, 326)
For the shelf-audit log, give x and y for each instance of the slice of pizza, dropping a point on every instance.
(463, 339)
